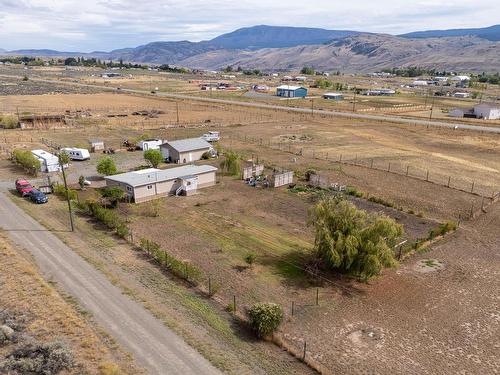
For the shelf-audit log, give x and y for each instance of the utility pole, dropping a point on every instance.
(432, 106)
(177, 105)
(61, 163)
(354, 101)
(312, 107)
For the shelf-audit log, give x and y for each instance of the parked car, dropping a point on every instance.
(23, 186)
(211, 136)
(37, 196)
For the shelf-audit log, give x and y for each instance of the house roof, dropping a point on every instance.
(183, 145)
(289, 87)
(151, 175)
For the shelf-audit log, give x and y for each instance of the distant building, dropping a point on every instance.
(441, 79)
(96, 145)
(419, 83)
(380, 92)
(150, 144)
(110, 75)
(287, 91)
(461, 95)
(487, 111)
(457, 112)
(460, 78)
(333, 96)
(300, 79)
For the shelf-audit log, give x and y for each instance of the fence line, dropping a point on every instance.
(397, 168)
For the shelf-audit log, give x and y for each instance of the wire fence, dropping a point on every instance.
(393, 167)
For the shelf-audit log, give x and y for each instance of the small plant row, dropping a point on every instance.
(179, 268)
(108, 217)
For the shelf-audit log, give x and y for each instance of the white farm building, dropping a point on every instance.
(487, 111)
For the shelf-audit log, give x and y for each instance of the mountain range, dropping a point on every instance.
(287, 48)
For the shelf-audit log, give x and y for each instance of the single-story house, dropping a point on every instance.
(48, 161)
(96, 145)
(487, 111)
(333, 96)
(288, 91)
(456, 112)
(460, 78)
(152, 183)
(185, 150)
(150, 144)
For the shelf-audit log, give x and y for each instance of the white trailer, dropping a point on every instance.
(211, 136)
(48, 161)
(77, 153)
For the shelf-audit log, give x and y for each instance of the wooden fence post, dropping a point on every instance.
(427, 176)
(304, 352)
(407, 168)
(449, 179)
(317, 296)
(472, 188)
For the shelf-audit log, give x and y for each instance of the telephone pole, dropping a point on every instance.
(61, 163)
(354, 101)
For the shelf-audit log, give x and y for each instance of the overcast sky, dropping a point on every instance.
(88, 25)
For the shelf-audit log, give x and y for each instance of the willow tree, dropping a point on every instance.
(231, 163)
(353, 241)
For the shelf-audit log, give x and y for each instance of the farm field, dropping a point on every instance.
(406, 320)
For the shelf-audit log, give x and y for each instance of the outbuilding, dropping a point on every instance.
(96, 145)
(487, 111)
(185, 150)
(333, 96)
(152, 183)
(48, 161)
(77, 153)
(288, 91)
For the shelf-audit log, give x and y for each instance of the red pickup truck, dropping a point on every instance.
(23, 187)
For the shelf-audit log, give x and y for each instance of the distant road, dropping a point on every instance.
(361, 116)
(154, 347)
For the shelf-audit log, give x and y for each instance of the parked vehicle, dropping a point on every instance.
(23, 187)
(37, 196)
(211, 136)
(77, 153)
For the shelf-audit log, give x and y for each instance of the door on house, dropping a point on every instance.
(190, 157)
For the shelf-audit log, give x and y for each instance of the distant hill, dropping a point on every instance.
(286, 48)
(490, 33)
(363, 53)
(264, 36)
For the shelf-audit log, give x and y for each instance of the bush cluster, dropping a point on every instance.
(178, 267)
(27, 160)
(265, 318)
(61, 191)
(39, 358)
(8, 122)
(442, 229)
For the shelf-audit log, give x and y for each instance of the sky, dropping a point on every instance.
(100, 25)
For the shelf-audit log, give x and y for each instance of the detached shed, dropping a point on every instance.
(96, 145)
(185, 150)
(333, 96)
(281, 178)
(288, 91)
(487, 111)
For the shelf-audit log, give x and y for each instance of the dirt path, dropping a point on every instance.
(153, 345)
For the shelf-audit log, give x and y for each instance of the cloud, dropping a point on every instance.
(108, 24)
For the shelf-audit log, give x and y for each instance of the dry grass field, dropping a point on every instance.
(46, 315)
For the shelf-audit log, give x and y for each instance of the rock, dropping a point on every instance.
(6, 331)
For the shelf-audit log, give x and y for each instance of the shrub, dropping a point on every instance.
(442, 229)
(61, 191)
(39, 358)
(206, 155)
(250, 258)
(354, 192)
(8, 122)
(106, 166)
(153, 157)
(112, 192)
(27, 160)
(265, 318)
(352, 240)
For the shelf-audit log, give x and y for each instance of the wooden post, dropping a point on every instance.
(304, 352)
(389, 167)
(293, 307)
(407, 168)
(317, 296)
(340, 159)
(234, 303)
(482, 204)
(449, 179)
(371, 164)
(427, 176)
(472, 210)
(472, 188)
(209, 286)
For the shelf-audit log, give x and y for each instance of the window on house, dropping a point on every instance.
(150, 187)
(129, 188)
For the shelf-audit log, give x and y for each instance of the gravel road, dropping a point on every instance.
(154, 346)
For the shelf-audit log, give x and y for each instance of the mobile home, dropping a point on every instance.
(152, 183)
(48, 161)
